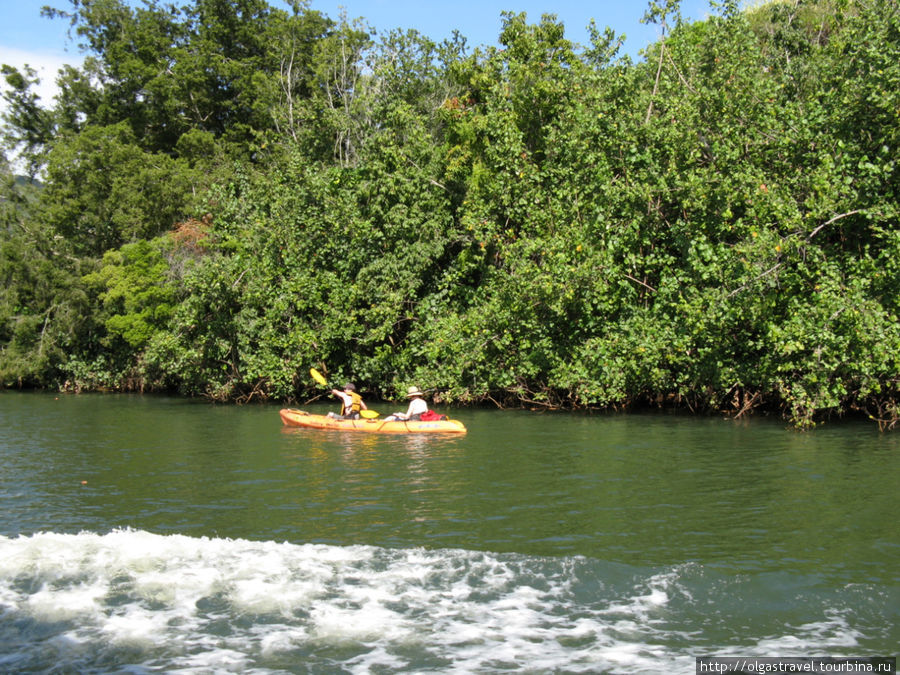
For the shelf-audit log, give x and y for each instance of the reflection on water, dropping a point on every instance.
(388, 484)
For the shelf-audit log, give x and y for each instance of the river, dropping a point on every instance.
(148, 534)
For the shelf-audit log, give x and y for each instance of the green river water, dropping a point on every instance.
(152, 534)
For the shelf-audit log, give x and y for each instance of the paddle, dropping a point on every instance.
(318, 377)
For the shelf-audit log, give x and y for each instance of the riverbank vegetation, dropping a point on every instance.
(230, 194)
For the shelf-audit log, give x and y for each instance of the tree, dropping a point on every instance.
(28, 127)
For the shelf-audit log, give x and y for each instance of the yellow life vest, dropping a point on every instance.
(355, 406)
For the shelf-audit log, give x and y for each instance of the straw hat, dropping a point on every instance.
(413, 391)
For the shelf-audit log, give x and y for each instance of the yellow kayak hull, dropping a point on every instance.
(298, 418)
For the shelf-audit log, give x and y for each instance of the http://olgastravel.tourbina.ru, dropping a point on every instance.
(882, 665)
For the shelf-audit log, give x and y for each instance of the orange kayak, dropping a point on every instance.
(298, 418)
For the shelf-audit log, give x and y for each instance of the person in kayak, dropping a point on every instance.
(417, 406)
(351, 403)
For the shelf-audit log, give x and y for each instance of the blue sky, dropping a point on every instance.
(26, 37)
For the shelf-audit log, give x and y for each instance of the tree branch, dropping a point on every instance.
(767, 272)
(638, 281)
(829, 222)
(662, 51)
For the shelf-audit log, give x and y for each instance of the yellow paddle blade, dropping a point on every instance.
(368, 414)
(317, 376)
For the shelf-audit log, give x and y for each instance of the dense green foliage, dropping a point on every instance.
(235, 193)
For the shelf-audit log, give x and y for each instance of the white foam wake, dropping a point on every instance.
(177, 603)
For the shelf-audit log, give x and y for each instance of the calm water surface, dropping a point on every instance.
(146, 534)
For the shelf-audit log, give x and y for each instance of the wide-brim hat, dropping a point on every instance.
(413, 391)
